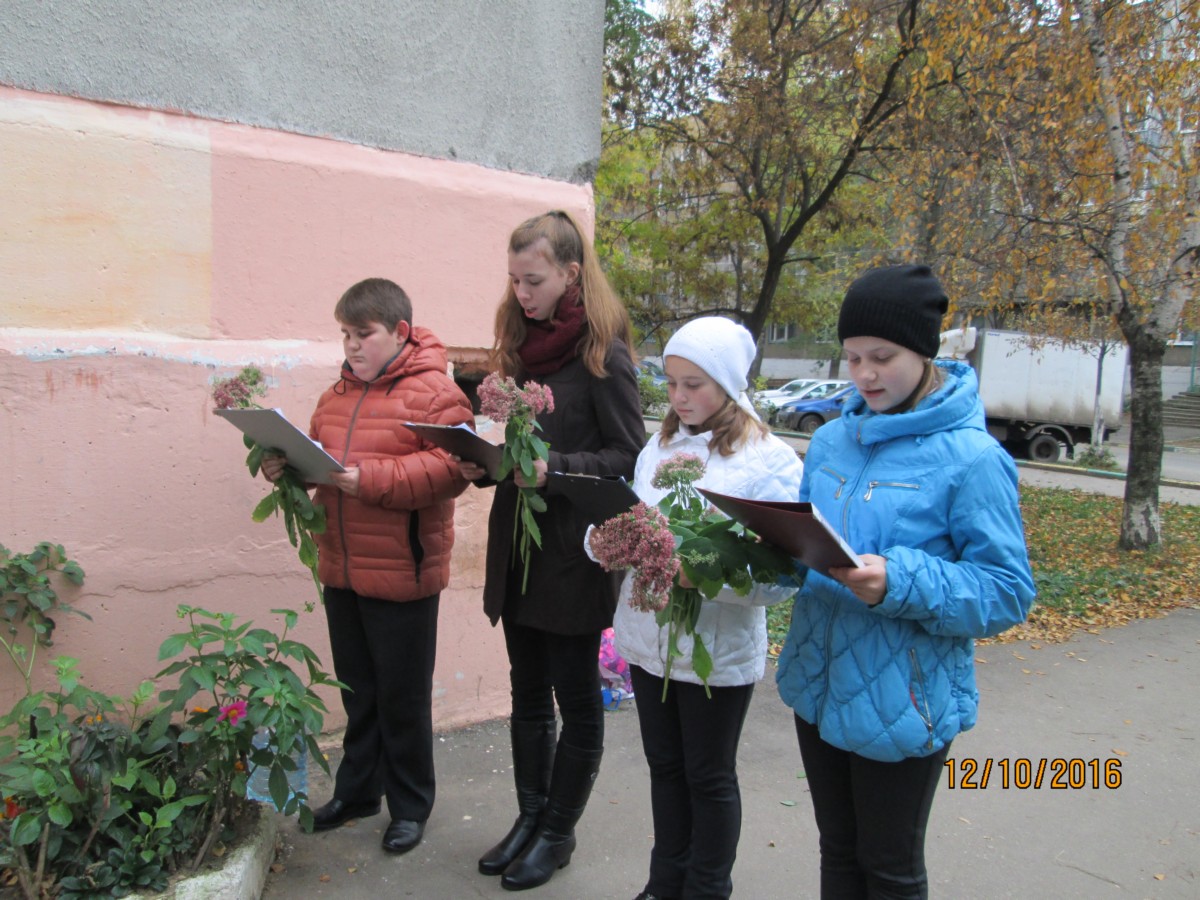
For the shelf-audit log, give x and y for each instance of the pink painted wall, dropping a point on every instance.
(144, 254)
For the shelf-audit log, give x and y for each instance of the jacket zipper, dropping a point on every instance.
(841, 481)
(871, 485)
(920, 679)
(340, 495)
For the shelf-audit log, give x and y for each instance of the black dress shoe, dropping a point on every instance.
(338, 812)
(402, 835)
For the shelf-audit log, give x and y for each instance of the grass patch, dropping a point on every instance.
(1082, 580)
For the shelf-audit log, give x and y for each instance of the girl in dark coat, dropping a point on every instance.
(559, 325)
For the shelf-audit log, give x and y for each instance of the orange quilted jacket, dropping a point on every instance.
(392, 541)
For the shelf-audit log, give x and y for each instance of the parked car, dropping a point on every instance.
(652, 370)
(811, 413)
(814, 389)
(789, 391)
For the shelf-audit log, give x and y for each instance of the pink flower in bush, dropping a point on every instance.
(234, 712)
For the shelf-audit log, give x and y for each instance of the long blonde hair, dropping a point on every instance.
(607, 318)
(731, 427)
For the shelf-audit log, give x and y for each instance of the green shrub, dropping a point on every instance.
(1093, 456)
(103, 795)
(654, 396)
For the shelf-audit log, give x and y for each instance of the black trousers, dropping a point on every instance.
(872, 818)
(691, 742)
(544, 668)
(384, 652)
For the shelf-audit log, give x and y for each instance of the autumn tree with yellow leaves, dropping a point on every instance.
(1057, 172)
(753, 124)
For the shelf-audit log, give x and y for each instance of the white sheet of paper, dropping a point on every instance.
(271, 429)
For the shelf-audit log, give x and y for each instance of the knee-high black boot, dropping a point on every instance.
(533, 746)
(553, 843)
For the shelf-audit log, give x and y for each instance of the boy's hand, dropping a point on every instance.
(272, 466)
(346, 482)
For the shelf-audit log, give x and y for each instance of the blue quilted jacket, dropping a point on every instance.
(936, 495)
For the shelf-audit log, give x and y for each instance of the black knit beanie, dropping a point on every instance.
(901, 304)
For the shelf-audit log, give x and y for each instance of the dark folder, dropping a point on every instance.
(796, 528)
(600, 498)
(463, 442)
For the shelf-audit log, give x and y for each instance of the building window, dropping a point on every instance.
(783, 332)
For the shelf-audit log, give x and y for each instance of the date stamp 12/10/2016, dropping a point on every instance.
(1059, 774)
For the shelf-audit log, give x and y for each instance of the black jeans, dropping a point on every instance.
(384, 652)
(872, 817)
(545, 667)
(691, 742)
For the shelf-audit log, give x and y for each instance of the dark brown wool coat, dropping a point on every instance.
(392, 541)
(596, 429)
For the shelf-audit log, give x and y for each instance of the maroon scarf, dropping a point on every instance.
(552, 344)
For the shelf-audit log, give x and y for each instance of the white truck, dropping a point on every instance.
(1040, 394)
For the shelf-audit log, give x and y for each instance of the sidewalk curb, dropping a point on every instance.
(1101, 473)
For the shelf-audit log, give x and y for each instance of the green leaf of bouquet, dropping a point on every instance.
(702, 663)
(265, 507)
(531, 525)
(720, 526)
(766, 560)
(535, 501)
(539, 447)
(307, 551)
(254, 458)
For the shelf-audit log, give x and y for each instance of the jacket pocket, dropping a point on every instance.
(897, 485)
(919, 695)
(837, 477)
(415, 547)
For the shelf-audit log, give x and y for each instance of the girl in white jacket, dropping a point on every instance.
(691, 740)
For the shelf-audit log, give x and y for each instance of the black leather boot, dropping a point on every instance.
(553, 843)
(533, 746)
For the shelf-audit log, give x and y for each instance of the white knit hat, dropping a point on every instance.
(722, 348)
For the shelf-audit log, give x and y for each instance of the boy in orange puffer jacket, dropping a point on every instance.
(385, 553)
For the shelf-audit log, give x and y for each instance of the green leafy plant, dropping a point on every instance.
(105, 795)
(27, 599)
(302, 518)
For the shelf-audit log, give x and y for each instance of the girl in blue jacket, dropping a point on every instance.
(879, 663)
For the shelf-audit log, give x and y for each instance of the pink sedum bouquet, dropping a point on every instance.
(302, 518)
(642, 536)
(502, 401)
(682, 536)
